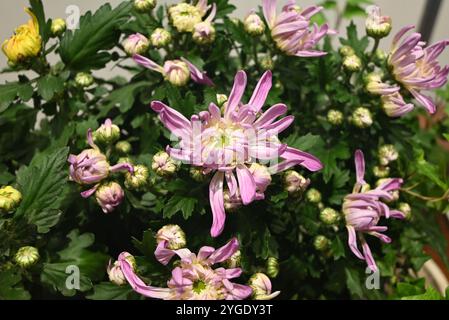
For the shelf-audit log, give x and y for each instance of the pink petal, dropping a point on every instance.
(269, 11)
(217, 204)
(147, 63)
(302, 158)
(247, 185)
(236, 94)
(261, 92)
(352, 242)
(224, 253)
(359, 166)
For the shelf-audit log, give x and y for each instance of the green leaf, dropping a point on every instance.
(430, 294)
(10, 91)
(48, 85)
(56, 275)
(122, 98)
(179, 204)
(10, 286)
(359, 45)
(43, 185)
(86, 48)
(44, 26)
(110, 291)
(354, 283)
(428, 170)
(45, 220)
(304, 143)
(147, 245)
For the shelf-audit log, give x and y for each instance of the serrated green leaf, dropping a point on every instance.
(86, 48)
(43, 184)
(110, 291)
(48, 85)
(354, 283)
(179, 204)
(10, 286)
(122, 98)
(10, 91)
(56, 275)
(45, 220)
(430, 294)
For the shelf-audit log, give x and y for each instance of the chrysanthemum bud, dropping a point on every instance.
(261, 286)
(253, 24)
(9, 199)
(387, 153)
(373, 77)
(261, 176)
(58, 27)
(221, 99)
(160, 38)
(135, 44)
(197, 174)
(365, 188)
(184, 16)
(267, 63)
(163, 164)
(329, 216)
(405, 209)
(107, 133)
(381, 171)
(138, 179)
(174, 235)
(115, 273)
(234, 261)
(346, 51)
(89, 167)
(203, 33)
(272, 267)
(177, 72)
(144, 6)
(352, 63)
(124, 160)
(84, 79)
(123, 147)
(362, 118)
(109, 196)
(377, 26)
(26, 256)
(313, 195)
(295, 183)
(381, 55)
(335, 117)
(321, 243)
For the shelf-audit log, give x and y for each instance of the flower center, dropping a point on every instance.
(199, 286)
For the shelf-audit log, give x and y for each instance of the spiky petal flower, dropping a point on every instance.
(194, 278)
(232, 142)
(416, 67)
(364, 209)
(290, 29)
(177, 72)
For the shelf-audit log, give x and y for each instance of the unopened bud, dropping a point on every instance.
(234, 261)
(136, 44)
(387, 153)
(313, 195)
(123, 147)
(109, 196)
(261, 286)
(26, 256)
(272, 267)
(160, 38)
(174, 235)
(335, 117)
(267, 63)
(177, 72)
(295, 183)
(329, 216)
(221, 99)
(254, 25)
(184, 16)
(377, 26)
(381, 171)
(346, 51)
(231, 204)
(9, 199)
(84, 79)
(362, 118)
(107, 133)
(405, 209)
(58, 27)
(163, 164)
(321, 243)
(352, 63)
(144, 6)
(197, 174)
(204, 33)
(138, 179)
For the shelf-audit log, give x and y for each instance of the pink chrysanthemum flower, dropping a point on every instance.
(194, 278)
(363, 210)
(290, 29)
(232, 141)
(416, 68)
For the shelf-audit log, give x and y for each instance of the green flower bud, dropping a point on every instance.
(231, 204)
(346, 51)
(184, 16)
(313, 195)
(221, 99)
(26, 256)
(58, 27)
(381, 55)
(9, 199)
(362, 118)
(405, 209)
(125, 160)
(174, 235)
(197, 174)
(321, 243)
(204, 33)
(123, 147)
(144, 6)
(329, 216)
(387, 153)
(107, 133)
(373, 77)
(352, 63)
(164, 165)
(381, 171)
(377, 26)
(267, 63)
(272, 267)
(335, 117)
(84, 79)
(253, 24)
(261, 286)
(160, 38)
(365, 188)
(138, 179)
